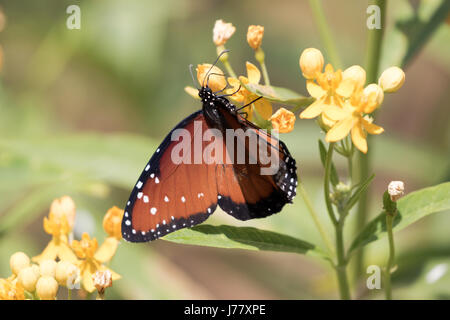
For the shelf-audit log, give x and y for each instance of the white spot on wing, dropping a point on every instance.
(153, 210)
(139, 184)
(183, 199)
(166, 199)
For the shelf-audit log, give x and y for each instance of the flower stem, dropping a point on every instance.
(341, 267)
(224, 60)
(390, 263)
(69, 294)
(315, 217)
(260, 56)
(373, 54)
(325, 34)
(326, 186)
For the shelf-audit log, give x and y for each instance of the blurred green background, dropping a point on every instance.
(81, 112)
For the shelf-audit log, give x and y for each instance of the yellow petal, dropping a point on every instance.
(327, 121)
(66, 254)
(107, 250)
(335, 113)
(86, 281)
(50, 253)
(359, 137)
(192, 92)
(264, 108)
(253, 73)
(372, 128)
(313, 110)
(345, 88)
(340, 130)
(314, 89)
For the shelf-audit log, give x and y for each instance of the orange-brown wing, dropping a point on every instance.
(170, 195)
(264, 182)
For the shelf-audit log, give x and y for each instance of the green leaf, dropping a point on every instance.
(360, 189)
(246, 238)
(413, 27)
(410, 208)
(280, 95)
(334, 178)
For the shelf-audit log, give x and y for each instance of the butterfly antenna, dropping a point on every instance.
(215, 62)
(192, 76)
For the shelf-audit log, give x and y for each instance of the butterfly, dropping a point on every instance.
(187, 178)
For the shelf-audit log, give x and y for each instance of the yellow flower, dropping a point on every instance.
(254, 36)
(283, 120)
(329, 90)
(112, 222)
(18, 261)
(64, 206)
(353, 117)
(92, 259)
(57, 226)
(243, 96)
(215, 78)
(391, 79)
(222, 32)
(47, 288)
(311, 62)
(11, 290)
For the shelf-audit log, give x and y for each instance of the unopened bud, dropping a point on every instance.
(222, 32)
(311, 62)
(391, 79)
(396, 189)
(254, 36)
(355, 73)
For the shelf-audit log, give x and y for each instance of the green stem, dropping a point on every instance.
(341, 267)
(325, 34)
(373, 54)
(260, 56)
(315, 217)
(224, 60)
(390, 263)
(326, 186)
(69, 294)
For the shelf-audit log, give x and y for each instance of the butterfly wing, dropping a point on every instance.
(246, 191)
(170, 195)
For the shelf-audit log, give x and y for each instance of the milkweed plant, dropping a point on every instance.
(343, 104)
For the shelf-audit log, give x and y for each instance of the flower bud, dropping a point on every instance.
(391, 79)
(48, 268)
(254, 36)
(222, 32)
(64, 206)
(67, 274)
(28, 278)
(18, 261)
(375, 92)
(112, 222)
(396, 190)
(36, 270)
(283, 120)
(311, 62)
(47, 288)
(213, 78)
(102, 280)
(355, 73)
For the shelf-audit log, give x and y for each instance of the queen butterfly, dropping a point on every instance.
(170, 195)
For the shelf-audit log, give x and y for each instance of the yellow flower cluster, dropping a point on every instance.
(64, 263)
(235, 87)
(342, 103)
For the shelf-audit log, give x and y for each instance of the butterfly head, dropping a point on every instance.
(206, 94)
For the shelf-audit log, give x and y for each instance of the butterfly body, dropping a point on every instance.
(169, 196)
